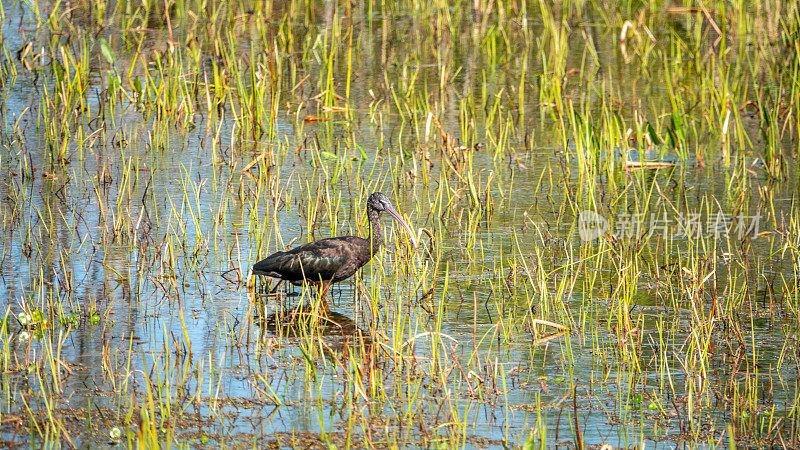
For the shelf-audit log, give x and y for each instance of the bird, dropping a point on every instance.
(326, 261)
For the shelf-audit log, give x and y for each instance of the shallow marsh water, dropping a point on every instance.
(133, 209)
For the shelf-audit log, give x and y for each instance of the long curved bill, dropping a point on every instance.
(396, 216)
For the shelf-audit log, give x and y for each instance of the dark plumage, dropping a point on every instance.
(331, 260)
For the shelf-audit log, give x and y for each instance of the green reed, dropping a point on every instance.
(457, 140)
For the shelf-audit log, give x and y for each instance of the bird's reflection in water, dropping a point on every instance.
(338, 335)
(304, 320)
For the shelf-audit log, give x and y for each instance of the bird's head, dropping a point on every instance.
(380, 202)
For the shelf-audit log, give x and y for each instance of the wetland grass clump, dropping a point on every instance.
(605, 197)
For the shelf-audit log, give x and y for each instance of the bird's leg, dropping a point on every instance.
(250, 283)
(323, 291)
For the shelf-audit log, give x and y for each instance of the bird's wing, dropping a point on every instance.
(318, 260)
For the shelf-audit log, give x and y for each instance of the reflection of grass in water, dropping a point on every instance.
(173, 149)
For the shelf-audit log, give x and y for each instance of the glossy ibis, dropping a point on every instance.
(327, 261)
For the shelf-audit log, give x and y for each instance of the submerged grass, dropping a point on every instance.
(605, 198)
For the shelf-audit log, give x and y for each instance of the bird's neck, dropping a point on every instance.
(375, 231)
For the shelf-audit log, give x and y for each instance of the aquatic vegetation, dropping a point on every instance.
(604, 196)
